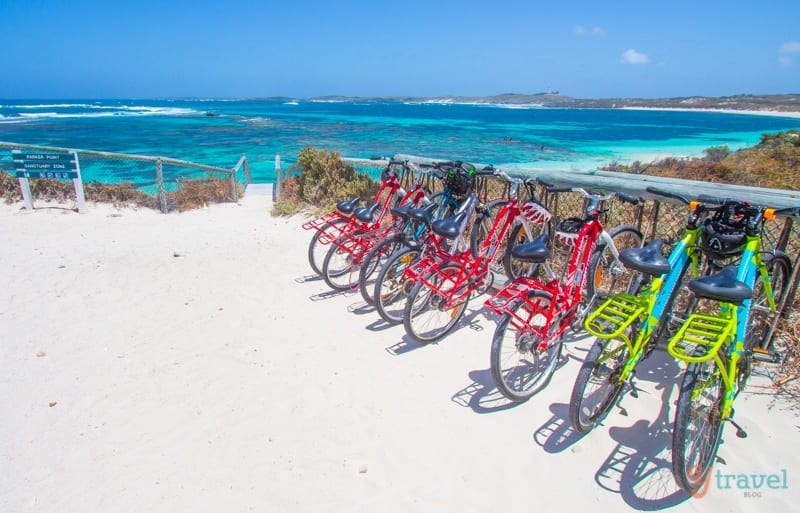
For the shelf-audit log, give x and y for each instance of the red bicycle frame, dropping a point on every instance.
(331, 232)
(566, 295)
(473, 270)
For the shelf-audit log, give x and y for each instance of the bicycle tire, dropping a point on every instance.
(392, 286)
(518, 372)
(317, 250)
(698, 427)
(515, 268)
(603, 275)
(422, 309)
(338, 269)
(608, 386)
(372, 263)
(780, 267)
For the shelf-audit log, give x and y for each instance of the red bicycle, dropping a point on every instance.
(444, 281)
(536, 311)
(348, 218)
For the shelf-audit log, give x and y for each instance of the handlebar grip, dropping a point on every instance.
(627, 198)
(543, 183)
(667, 194)
(557, 189)
(375, 157)
(486, 171)
(706, 198)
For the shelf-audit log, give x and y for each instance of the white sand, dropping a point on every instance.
(219, 380)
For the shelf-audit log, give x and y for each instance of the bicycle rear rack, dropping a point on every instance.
(501, 302)
(701, 337)
(614, 316)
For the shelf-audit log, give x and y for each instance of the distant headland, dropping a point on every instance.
(744, 102)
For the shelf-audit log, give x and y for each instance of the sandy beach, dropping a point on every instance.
(192, 363)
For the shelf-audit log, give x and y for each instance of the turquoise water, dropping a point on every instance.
(536, 137)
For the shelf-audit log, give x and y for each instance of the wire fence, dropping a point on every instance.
(171, 184)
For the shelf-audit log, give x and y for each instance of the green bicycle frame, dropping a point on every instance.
(649, 305)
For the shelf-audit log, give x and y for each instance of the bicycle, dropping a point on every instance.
(720, 348)
(348, 217)
(392, 286)
(536, 312)
(629, 326)
(411, 231)
(343, 261)
(445, 282)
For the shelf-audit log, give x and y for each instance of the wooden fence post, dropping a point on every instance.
(276, 192)
(162, 193)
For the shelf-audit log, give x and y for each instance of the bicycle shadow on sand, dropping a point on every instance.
(639, 468)
(408, 344)
(482, 395)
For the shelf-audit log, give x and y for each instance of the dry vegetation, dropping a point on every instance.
(190, 195)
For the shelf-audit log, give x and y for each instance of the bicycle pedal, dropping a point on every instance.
(765, 355)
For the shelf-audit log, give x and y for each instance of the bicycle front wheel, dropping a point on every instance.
(392, 285)
(520, 366)
(780, 268)
(606, 275)
(698, 425)
(597, 385)
(426, 318)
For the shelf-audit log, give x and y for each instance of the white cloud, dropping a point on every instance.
(633, 57)
(787, 51)
(580, 30)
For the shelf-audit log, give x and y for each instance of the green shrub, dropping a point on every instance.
(324, 179)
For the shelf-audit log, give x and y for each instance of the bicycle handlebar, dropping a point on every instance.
(667, 194)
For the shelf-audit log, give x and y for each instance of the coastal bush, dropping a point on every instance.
(323, 180)
(191, 193)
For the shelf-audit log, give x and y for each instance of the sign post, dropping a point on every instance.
(59, 166)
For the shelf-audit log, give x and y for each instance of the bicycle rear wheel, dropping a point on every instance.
(317, 250)
(519, 367)
(607, 276)
(597, 385)
(698, 425)
(372, 263)
(340, 267)
(392, 286)
(425, 317)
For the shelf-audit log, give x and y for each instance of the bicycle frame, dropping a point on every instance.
(727, 329)
(566, 294)
(331, 232)
(650, 306)
(472, 269)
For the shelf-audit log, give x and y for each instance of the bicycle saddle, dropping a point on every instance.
(647, 260)
(422, 214)
(535, 251)
(401, 211)
(722, 286)
(365, 214)
(346, 206)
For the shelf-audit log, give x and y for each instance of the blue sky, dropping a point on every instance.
(305, 48)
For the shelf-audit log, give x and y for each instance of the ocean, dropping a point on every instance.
(219, 132)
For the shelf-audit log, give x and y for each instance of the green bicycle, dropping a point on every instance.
(720, 347)
(629, 326)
